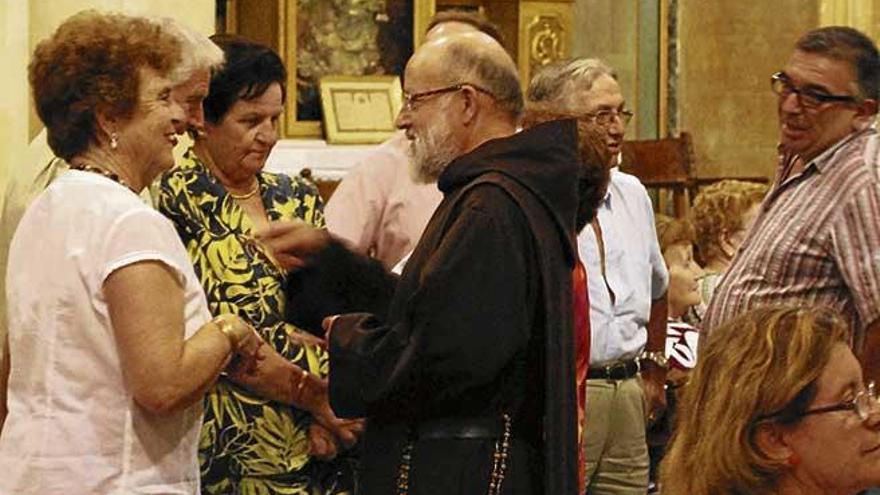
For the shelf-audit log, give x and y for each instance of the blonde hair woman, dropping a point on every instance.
(722, 215)
(776, 405)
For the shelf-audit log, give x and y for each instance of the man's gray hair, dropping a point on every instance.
(198, 52)
(502, 80)
(555, 81)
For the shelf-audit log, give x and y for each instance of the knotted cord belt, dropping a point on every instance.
(499, 457)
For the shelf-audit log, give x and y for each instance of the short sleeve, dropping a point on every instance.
(142, 235)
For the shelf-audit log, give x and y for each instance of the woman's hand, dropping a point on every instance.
(249, 353)
(292, 242)
(245, 341)
(310, 393)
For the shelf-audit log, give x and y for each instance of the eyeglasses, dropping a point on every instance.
(411, 100)
(606, 117)
(808, 98)
(865, 403)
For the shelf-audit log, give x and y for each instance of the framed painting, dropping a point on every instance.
(319, 38)
(360, 109)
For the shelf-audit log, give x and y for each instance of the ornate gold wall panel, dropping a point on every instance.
(545, 30)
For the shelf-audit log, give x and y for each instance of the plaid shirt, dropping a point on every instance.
(815, 241)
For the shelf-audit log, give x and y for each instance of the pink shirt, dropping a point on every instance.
(377, 206)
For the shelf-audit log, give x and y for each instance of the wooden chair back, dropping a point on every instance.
(663, 164)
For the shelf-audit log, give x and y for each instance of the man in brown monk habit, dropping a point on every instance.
(464, 366)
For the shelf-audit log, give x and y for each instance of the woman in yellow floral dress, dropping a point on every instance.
(266, 433)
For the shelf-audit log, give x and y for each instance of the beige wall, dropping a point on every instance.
(608, 29)
(23, 23)
(727, 52)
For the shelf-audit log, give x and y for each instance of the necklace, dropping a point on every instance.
(100, 171)
(248, 195)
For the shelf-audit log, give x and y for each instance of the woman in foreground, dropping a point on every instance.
(111, 344)
(776, 405)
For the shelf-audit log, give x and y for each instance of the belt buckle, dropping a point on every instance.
(609, 369)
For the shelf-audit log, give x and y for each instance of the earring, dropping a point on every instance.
(114, 140)
(793, 460)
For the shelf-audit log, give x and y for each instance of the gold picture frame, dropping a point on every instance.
(360, 109)
(274, 23)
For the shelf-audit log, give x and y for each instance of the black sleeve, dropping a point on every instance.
(336, 280)
(468, 317)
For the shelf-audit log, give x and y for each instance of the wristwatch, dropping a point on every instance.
(656, 357)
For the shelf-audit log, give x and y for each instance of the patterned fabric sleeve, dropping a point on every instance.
(249, 445)
(856, 240)
(236, 273)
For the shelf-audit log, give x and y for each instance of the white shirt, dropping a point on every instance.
(634, 268)
(73, 426)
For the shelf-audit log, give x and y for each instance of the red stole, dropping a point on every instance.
(582, 356)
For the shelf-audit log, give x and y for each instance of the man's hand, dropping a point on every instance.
(292, 242)
(327, 325)
(654, 385)
(346, 431)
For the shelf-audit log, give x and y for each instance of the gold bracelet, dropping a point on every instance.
(226, 329)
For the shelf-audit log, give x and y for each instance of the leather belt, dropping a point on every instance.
(461, 428)
(620, 370)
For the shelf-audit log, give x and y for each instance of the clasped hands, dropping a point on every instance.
(292, 243)
(246, 343)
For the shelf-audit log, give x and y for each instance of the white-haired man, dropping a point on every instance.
(627, 282)
(378, 207)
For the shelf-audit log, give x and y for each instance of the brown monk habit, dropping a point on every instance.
(480, 324)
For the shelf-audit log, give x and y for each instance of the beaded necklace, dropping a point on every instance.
(100, 171)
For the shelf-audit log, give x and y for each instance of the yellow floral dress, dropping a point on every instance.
(249, 445)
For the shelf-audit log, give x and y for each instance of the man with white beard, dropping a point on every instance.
(464, 366)
(378, 207)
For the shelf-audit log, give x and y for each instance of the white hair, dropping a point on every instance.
(554, 81)
(198, 52)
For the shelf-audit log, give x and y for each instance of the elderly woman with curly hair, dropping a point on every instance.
(722, 214)
(111, 342)
(271, 432)
(776, 405)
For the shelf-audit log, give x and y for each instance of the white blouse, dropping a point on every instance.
(73, 425)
